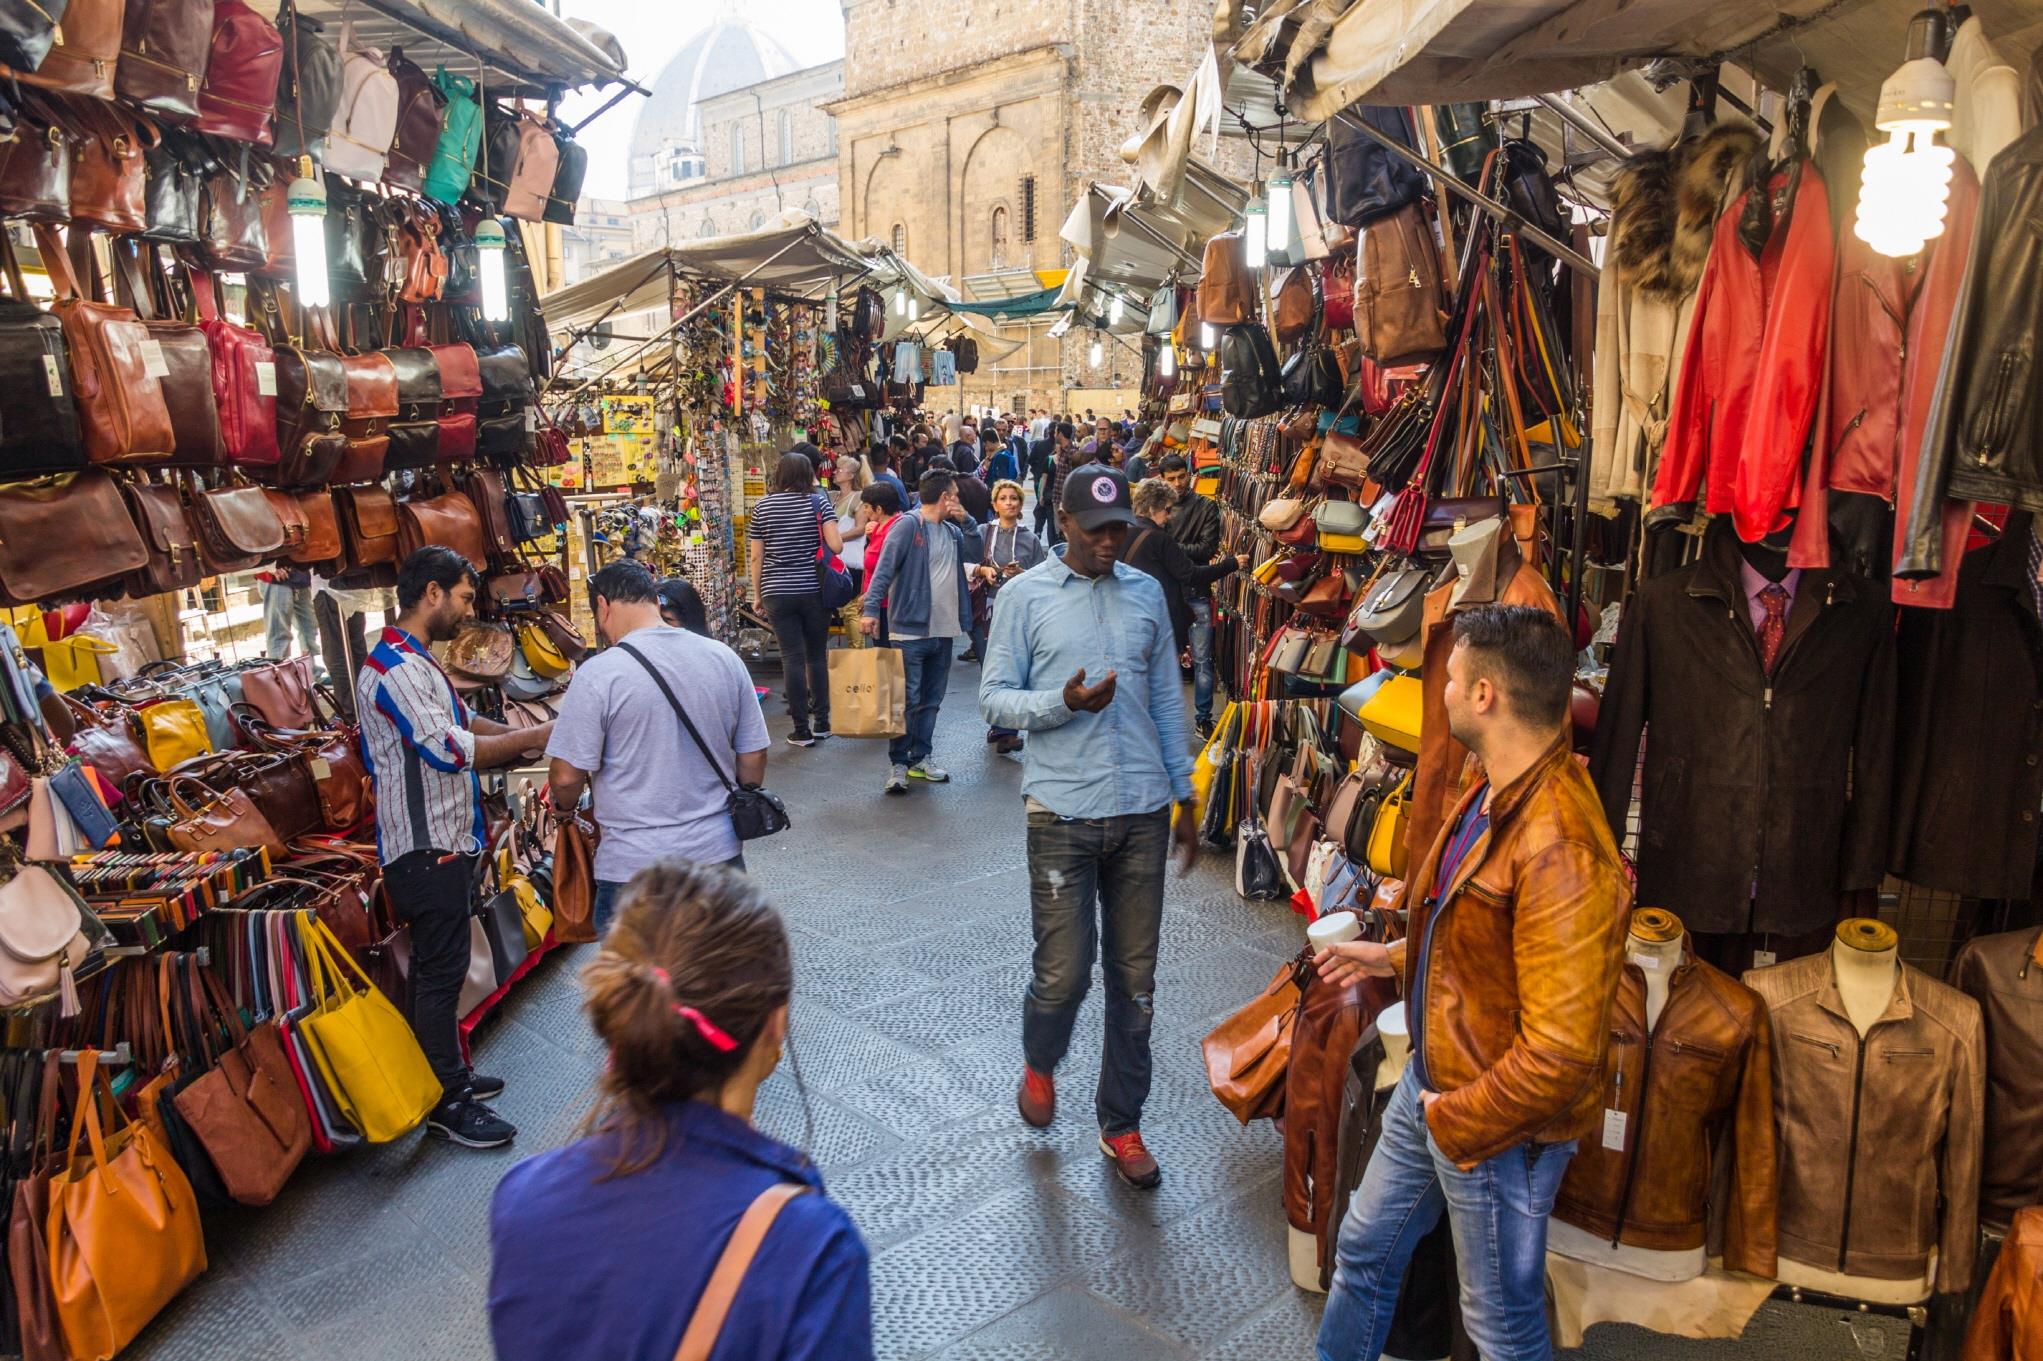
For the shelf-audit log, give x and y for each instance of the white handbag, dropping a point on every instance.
(366, 122)
(42, 938)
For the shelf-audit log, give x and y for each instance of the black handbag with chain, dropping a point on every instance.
(755, 810)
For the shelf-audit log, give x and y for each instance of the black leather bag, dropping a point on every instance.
(1364, 181)
(28, 31)
(567, 183)
(39, 428)
(171, 194)
(1250, 382)
(1312, 377)
(308, 87)
(1529, 189)
(348, 227)
(503, 924)
(498, 158)
(1467, 137)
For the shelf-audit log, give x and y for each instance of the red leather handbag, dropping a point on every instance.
(460, 390)
(239, 97)
(1337, 290)
(244, 384)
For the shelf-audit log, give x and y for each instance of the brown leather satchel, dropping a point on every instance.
(280, 784)
(322, 529)
(168, 536)
(87, 50)
(282, 693)
(1398, 313)
(1295, 314)
(372, 402)
(60, 535)
(237, 528)
(109, 174)
(290, 517)
(485, 487)
(1227, 289)
(35, 166)
(1342, 460)
(246, 1110)
(369, 524)
(450, 519)
(115, 368)
(235, 237)
(1247, 1054)
(574, 880)
(333, 758)
(560, 630)
(219, 822)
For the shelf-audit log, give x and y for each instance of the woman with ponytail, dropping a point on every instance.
(605, 1248)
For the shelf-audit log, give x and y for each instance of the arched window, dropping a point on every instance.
(787, 137)
(708, 228)
(737, 148)
(900, 239)
(999, 237)
(758, 218)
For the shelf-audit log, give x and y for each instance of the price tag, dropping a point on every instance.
(1762, 959)
(54, 375)
(153, 362)
(321, 768)
(531, 420)
(1613, 1130)
(265, 379)
(858, 392)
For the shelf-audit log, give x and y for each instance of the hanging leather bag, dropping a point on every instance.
(184, 356)
(453, 160)
(369, 525)
(244, 383)
(348, 228)
(239, 96)
(484, 488)
(574, 879)
(1227, 291)
(573, 171)
(35, 164)
(414, 433)
(109, 166)
(62, 534)
(236, 239)
(1250, 382)
(497, 159)
(449, 519)
(460, 391)
(167, 534)
(120, 401)
(322, 546)
(1362, 180)
(417, 135)
(172, 190)
(365, 122)
(372, 402)
(1399, 318)
(40, 433)
(1248, 1053)
(87, 47)
(245, 1110)
(237, 527)
(28, 31)
(308, 86)
(533, 173)
(311, 400)
(163, 51)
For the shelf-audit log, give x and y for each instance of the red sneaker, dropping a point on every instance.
(1131, 1159)
(1037, 1097)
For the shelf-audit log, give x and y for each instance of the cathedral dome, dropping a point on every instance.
(725, 56)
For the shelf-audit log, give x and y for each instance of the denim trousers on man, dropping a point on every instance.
(802, 628)
(430, 892)
(1117, 863)
(283, 607)
(607, 892)
(1202, 660)
(926, 663)
(1498, 1212)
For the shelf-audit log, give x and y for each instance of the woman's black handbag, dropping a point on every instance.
(755, 810)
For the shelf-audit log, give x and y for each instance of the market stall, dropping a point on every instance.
(273, 306)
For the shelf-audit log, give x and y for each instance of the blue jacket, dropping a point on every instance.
(1002, 465)
(900, 579)
(587, 1266)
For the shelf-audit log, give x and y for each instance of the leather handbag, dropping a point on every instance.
(372, 402)
(273, 205)
(222, 821)
(1387, 854)
(460, 391)
(417, 135)
(163, 51)
(35, 165)
(106, 740)
(503, 925)
(308, 86)
(184, 363)
(323, 544)
(63, 534)
(1340, 518)
(124, 1234)
(541, 653)
(1388, 614)
(362, 1045)
(234, 235)
(1282, 513)
(415, 431)
(312, 399)
(239, 97)
(115, 370)
(1227, 288)
(86, 50)
(40, 433)
(574, 879)
(348, 227)
(1251, 383)
(281, 784)
(1363, 181)
(424, 263)
(1248, 1054)
(290, 517)
(173, 550)
(1392, 714)
(365, 121)
(109, 166)
(1295, 313)
(334, 760)
(1398, 314)
(28, 1261)
(173, 187)
(243, 384)
(485, 488)
(27, 32)
(369, 524)
(173, 732)
(246, 1109)
(533, 173)
(237, 527)
(449, 519)
(453, 161)
(281, 693)
(482, 650)
(572, 172)
(41, 939)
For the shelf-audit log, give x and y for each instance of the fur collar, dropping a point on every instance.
(1665, 208)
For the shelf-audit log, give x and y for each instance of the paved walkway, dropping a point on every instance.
(990, 1241)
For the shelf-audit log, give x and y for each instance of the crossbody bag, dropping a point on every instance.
(755, 811)
(706, 1325)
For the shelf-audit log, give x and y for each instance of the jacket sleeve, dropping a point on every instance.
(974, 543)
(1959, 1240)
(1568, 928)
(883, 573)
(1202, 530)
(1752, 1204)
(1872, 767)
(1621, 717)
(1991, 1336)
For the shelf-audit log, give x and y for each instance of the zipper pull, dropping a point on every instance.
(1767, 699)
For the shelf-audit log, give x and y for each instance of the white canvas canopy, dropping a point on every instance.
(521, 45)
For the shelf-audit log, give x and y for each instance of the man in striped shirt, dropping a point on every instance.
(424, 746)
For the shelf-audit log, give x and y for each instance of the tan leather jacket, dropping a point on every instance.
(1696, 1093)
(1522, 966)
(1873, 1133)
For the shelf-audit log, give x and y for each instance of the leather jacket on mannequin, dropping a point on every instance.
(1698, 1083)
(1330, 1025)
(1878, 1138)
(2001, 973)
(1746, 773)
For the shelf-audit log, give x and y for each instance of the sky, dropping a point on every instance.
(652, 31)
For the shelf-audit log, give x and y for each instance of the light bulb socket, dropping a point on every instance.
(489, 235)
(1921, 94)
(305, 197)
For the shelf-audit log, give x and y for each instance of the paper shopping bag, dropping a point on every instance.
(868, 692)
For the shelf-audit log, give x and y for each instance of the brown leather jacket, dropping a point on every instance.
(1522, 965)
(1874, 1132)
(1330, 1025)
(2002, 974)
(2007, 1323)
(1697, 1096)
(1445, 770)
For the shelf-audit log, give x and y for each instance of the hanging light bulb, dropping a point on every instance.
(489, 254)
(1256, 233)
(1116, 310)
(1209, 339)
(305, 201)
(1167, 360)
(1905, 190)
(1279, 232)
(914, 308)
(1095, 353)
(900, 301)
(830, 312)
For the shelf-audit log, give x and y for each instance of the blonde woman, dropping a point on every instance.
(849, 476)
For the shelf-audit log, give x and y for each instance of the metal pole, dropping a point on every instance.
(1484, 202)
(1586, 125)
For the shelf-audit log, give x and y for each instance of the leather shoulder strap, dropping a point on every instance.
(707, 1325)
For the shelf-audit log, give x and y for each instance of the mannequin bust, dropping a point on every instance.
(1769, 556)
(1654, 946)
(1865, 959)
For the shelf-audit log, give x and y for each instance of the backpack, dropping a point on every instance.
(417, 136)
(460, 137)
(164, 45)
(358, 144)
(1362, 180)
(1250, 383)
(1227, 292)
(239, 98)
(567, 181)
(308, 87)
(965, 351)
(532, 176)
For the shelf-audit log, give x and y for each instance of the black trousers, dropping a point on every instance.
(802, 627)
(430, 891)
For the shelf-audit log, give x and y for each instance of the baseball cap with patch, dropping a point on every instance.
(1096, 495)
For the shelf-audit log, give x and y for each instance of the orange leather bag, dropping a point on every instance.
(450, 519)
(574, 880)
(1247, 1054)
(1227, 289)
(115, 366)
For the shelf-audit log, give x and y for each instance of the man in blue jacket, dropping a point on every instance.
(920, 580)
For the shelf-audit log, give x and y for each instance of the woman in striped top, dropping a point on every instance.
(789, 529)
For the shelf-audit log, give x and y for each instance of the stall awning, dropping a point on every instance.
(1022, 305)
(521, 47)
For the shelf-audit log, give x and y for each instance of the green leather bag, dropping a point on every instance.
(460, 137)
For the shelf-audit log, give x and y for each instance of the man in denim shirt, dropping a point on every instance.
(1104, 763)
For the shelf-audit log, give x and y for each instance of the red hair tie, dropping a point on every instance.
(707, 1028)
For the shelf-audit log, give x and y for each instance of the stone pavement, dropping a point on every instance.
(990, 1241)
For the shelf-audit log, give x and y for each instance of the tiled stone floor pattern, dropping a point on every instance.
(990, 1241)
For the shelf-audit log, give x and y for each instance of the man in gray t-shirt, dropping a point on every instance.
(657, 798)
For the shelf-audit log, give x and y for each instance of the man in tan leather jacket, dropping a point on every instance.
(1517, 917)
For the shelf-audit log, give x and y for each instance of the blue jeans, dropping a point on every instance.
(927, 664)
(1498, 1213)
(1202, 660)
(605, 906)
(1119, 863)
(282, 608)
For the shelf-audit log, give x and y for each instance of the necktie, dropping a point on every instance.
(1774, 600)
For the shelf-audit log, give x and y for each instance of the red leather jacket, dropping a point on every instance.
(1755, 361)
(1886, 341)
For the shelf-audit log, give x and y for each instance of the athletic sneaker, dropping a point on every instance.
(485, 1088)
(821, 732)
(923, 770)
(801, 737)
(469, 1123)
(897, 780)
(1131, 1159)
